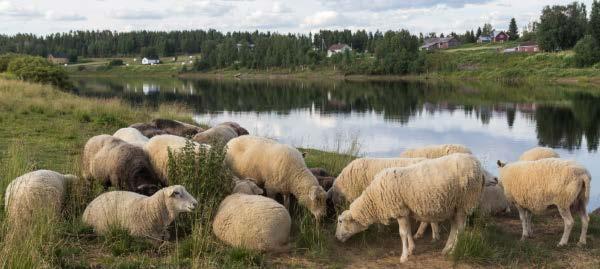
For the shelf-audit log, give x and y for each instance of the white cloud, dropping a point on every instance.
(323, 19)
(9, 9)
(51, 15)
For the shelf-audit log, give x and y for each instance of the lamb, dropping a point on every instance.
(132, 136)
(220, 134)
(447, 188)
(538, 153)
(115, 162)
(158, 149)
(279, 167)
(359, 173)
(253, 222)
(34, 194)
(148, 129)
(177, 128)
(434, 151)
(140, 215)
(534, 185)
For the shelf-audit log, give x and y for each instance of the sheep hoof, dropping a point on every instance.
(581, 244)
(418, 235)
(434, 239)
(403, 259)
(561, 244)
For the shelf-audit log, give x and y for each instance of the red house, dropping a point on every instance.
(528, 47)
(500, 36)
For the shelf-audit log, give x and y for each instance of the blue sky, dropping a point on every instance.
(43, 16)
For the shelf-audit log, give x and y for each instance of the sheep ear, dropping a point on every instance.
(500, 164)
(304, 154)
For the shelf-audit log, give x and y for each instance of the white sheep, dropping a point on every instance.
(220, 134)
(435, 151)
(493, 201)
(253, 222)
(430, 191)
(279, 167)
(538, 153)
(359, 173)
(246, 186)
(131, 136)
(532, 186)
(158, 150)
(34, 194)
(140, 215)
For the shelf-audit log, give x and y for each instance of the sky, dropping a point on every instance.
(44, 16)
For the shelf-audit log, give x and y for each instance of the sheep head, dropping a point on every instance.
(317, 201)
(347, 226)
(247, 186)
(178, 200)
(489, 179)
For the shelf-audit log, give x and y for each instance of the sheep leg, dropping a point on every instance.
(404, 235)
(457, 226)
(529, 216)
(286, 201)
(421, 230)
(585, 219)
(565, 213)
(435, 232)
(523, 217)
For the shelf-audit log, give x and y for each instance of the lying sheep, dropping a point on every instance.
(220, 134)
(178, 128)
(148, 129)
(430, 191)
(141, 216)
(434, 151)
(359, 173)
(115, 162)
(538, 153)
(279, 167)
(253, 222)
(534, 185)
(158, 150)
(131, 136)
(239, 129)
(39, 193)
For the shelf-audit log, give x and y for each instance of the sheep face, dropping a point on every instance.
(347, 226)
(489, 178)
(178, 200)
(317, 201)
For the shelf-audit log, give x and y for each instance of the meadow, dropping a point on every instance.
(45, 128)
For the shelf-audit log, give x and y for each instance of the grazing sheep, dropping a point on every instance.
(158, 149)
(253, 222)
(434, 151)
(220, 134)
(359, 173)
(176, 127)
(246, 186)
(148, 129)
(115, 162)
(325, 180)
(493, 201)
(132, 136)
(239, 129)
(430, 191)
(534, 185)
(538, 153)
(279, 167)
(141, 216)
(36, 193)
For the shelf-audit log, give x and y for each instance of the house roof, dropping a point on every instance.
(337, 46)
(435, 40)
(528, 43)
(484, 38)
(496, 33)
(151, 58)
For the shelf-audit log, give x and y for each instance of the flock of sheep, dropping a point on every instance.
(430, 184)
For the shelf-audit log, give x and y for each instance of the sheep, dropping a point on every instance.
(239, 129)
(434, 151)
(538, 153)
(253, 222)
(534, 185)
(359, 173)
(132, 136)
(430, 191)
(158, 148)
(178, 128)
(279, 167)
(493, 201)
(246, 186)
(147, 129)
(220, 134)
(140, 215)
(115, 162)
(34, 194)
(325, 180)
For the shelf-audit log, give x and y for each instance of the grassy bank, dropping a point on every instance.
(46, 128)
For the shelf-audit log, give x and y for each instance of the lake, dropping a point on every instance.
(387, 117)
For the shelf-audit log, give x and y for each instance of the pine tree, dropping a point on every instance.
(478, 32)
(595, 21)
(513, 31)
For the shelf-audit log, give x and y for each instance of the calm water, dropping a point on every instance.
(495, 121)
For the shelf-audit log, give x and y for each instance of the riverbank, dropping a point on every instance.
(44, 128)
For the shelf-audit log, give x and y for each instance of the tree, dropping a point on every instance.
(478, 32)
(587, 51)
(513, 31)
(487, 30)
(561, 27)
(595, 21)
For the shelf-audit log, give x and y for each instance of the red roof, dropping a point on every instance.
(337, 46)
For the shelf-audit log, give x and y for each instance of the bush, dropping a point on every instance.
(38, 70)
(5, 60)
(115, 62)
(587, 52)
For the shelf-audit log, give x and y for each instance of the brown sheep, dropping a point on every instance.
(238, 129)
(147, 129)
(176, 127)
(324, 178)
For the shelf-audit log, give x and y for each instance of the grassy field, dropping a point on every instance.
(46, 128)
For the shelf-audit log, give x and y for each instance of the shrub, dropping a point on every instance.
(38, 70)
(5, 60)
(115, 62)
(587, 52)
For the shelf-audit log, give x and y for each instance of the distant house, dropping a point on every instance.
(484, 39)
(439, 43)
(58, 58)
(240, 45)
(150, 61)
(337, 48)
(499, 36)
(530, 46)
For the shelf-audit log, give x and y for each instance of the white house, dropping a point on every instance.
(150, 61)
(337, 48)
